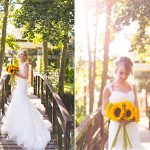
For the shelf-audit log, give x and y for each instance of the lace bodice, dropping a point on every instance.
(119, 96)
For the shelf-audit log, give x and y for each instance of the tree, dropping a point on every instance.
(65, 24)
(53, 20)
(3, 38)
(36, 18)
(127, 12)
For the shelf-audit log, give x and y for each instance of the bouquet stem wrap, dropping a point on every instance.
(122, 111)
(126, 139)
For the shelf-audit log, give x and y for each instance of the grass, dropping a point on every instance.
(69, 88)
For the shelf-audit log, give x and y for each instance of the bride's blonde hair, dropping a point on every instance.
(126, 62)
(25, 52)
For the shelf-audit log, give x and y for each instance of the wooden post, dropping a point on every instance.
(148, 115)
(6, 90)
(3, 109)
(54, 115)
(38, 86)
(35, 85)
(9, 86)
(59, 138)
(89, 137)
(42, 91)
(67, 136)
(31, 74)
(46, 99)
(49, 105)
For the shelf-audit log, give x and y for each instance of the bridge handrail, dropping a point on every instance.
(5, 91)
(82, 128)
(64, 111)
(89, 134)
(52, 101)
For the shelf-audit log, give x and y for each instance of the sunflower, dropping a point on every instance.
(17, 68)
(7, 68)
(107, 109)
(129, 113)
(116, 112)
(127, 103)
(12, 69)
(136, 114)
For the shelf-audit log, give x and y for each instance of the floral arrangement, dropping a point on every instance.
(120, 111)
(12, 69)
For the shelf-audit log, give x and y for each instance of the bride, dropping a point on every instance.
(118, 91)
(24, 123)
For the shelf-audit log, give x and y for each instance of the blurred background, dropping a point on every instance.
(106, 30)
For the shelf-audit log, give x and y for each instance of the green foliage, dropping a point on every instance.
(127, 12)
(5, 61)
(11, 42)
(69, 88)
(69, 74)
(41, 65)
(46, 17)
(53, 73)
(80, 112)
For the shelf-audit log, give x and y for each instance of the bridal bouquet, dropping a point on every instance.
(12, 69)
(120, 111)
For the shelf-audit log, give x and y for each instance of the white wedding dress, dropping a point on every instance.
(24, 123)
(132, 128)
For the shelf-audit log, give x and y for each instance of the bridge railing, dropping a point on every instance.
(90, 135)
(5, 91)
(56, 110)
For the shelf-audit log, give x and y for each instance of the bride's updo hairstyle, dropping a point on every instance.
(126, 62)
(25, 53)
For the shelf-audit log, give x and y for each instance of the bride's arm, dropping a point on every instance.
(26, 72)
(105, 99)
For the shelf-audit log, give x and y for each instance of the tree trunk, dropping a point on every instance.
(92, 60)
(62, 68)
(3, 39)
(105, 66)
(31, 73)
(45, 55)
(106, 50)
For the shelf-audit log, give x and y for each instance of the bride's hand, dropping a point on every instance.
(124, 122)
(16, 74)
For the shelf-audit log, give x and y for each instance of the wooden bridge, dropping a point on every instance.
(48, 102)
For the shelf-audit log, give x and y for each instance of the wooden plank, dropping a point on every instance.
(11, 145)
(12, 142)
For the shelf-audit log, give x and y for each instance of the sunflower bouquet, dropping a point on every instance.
(12, 69)
(122, 111)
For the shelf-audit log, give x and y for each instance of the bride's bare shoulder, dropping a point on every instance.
(26, 64)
